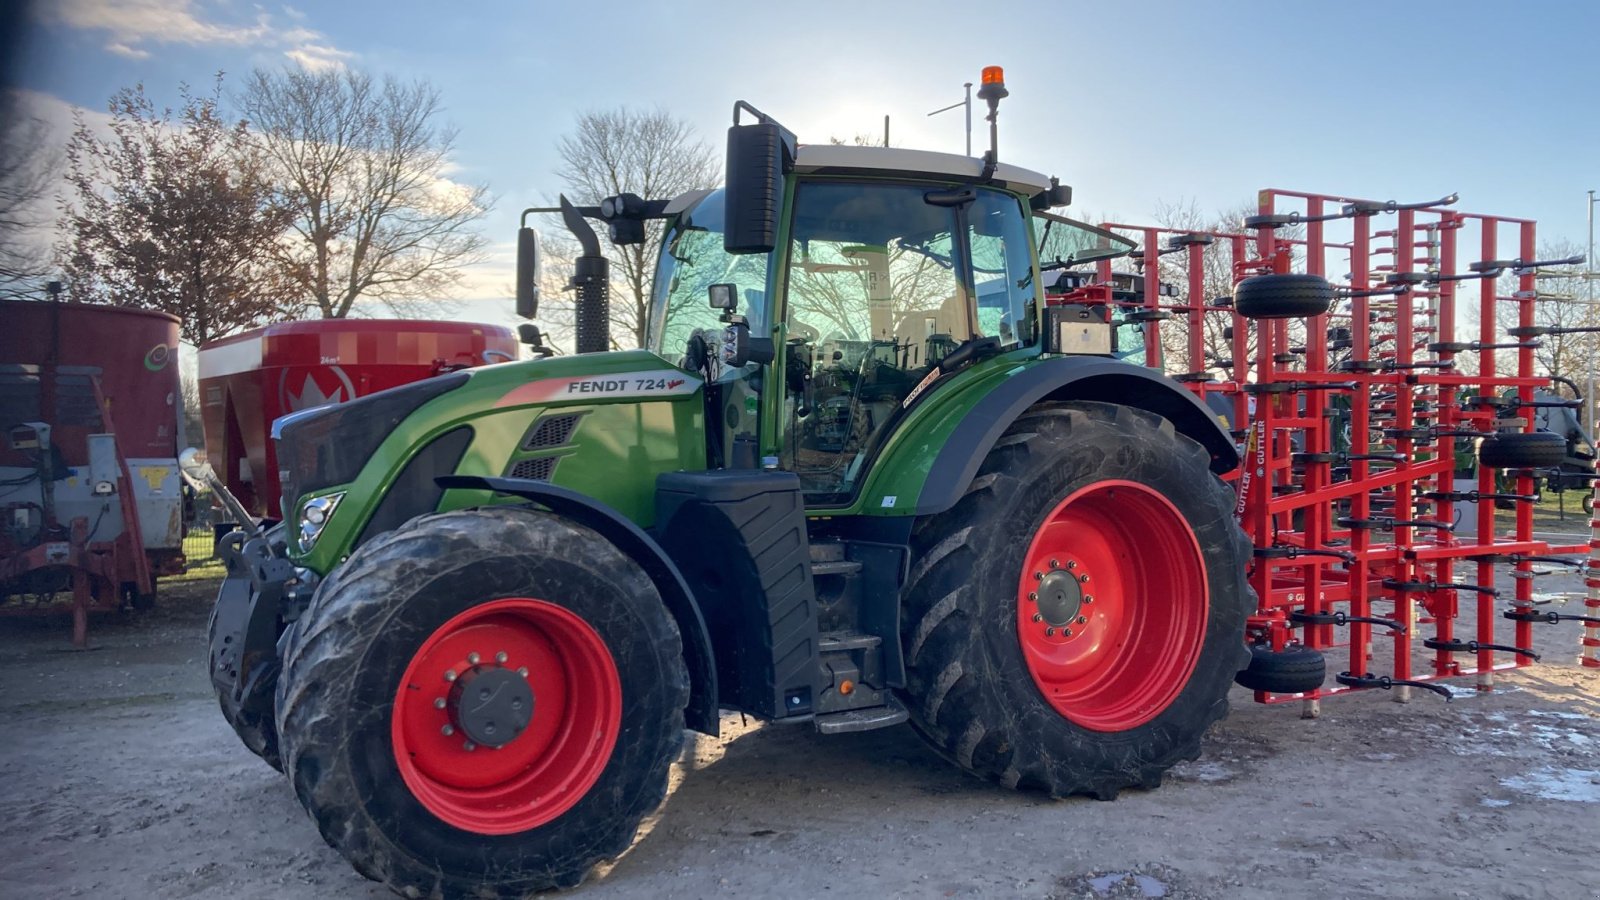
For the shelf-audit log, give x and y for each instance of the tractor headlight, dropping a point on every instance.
(315, 514)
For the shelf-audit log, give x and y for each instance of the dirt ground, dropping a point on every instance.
(120, 779)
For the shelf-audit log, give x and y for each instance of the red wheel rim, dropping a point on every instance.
(544, 767)
(1112, 605)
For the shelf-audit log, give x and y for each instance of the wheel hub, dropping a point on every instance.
(491, 706)
(1060, 598)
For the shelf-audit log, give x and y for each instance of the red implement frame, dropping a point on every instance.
(1366, 548)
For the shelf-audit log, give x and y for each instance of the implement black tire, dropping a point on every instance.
(256, 730)
(1523, 450)
(1293, 670)
(374, 620)
(1288, 296)
(970, 688)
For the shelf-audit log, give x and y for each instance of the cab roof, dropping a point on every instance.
(841, 159)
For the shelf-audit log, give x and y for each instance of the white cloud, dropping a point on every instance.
(318, 57)
(130, 25)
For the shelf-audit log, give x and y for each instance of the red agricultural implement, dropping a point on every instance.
(1355, 424)
(87, 506)
(250, 379)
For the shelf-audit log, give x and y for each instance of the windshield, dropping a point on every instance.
(693, 259)
(1064, 242)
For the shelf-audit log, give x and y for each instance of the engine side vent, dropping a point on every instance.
(535, 469)
(551, 431)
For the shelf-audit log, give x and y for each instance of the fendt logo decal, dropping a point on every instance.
(622, 386)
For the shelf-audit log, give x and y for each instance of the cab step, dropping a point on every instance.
(891, 713)
(837, 641)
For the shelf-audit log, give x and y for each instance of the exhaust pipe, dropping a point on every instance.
(591, 278)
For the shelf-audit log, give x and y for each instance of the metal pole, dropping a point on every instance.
(966, 103)
(970, 152)
(1588, 296)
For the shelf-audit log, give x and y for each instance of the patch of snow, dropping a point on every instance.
(1549, 783)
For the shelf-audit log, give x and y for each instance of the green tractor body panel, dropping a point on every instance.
(636, 416)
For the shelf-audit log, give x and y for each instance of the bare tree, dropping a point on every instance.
(30, 168)
(362, 164)
(176, 215)
(1560, 304)
(652, 154)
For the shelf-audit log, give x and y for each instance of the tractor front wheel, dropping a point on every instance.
(482, 703)
(1074, 623)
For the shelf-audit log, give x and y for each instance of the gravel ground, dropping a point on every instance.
(121, 780)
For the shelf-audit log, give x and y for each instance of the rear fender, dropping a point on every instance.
(956, 461)
(702, 712)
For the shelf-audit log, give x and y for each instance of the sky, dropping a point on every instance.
(1134, 104)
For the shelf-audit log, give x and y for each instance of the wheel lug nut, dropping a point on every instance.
(1038, 576)
(1033, 595)
(1088, 598)
(523, 671)
(450, 675)
(1049, 632)
(1054, 564)
(1083, 579)
(501, 657)
(1082, 619)
(438, 703)
(1072, 564)
(469, 746)
(447, 730)
(472, 658)
(1066, 632)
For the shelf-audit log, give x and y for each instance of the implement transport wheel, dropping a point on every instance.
(1292, 670)
(1288, 296)
(1074, 623)
(1523, 450)
(482, 704)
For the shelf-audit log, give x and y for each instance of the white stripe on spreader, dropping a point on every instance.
(230, 358)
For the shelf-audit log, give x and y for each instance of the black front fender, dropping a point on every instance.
(1068, 378)
(702, 712)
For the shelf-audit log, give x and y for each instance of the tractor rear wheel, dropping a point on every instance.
(482, 703)
(1075, 622)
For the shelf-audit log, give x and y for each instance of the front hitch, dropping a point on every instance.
(261, 591)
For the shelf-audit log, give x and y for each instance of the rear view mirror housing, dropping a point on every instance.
(759, 155)
(527, 272)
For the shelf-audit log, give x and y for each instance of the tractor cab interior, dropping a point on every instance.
(883, 282)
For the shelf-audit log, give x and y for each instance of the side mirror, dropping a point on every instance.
(724, 297)
(527, 272)
(755, 187)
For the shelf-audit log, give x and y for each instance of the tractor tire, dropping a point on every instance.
(1016, 670)
(1523, 450)
(257, 731)
(482, 703)
(1293, 670)
(1283, 296)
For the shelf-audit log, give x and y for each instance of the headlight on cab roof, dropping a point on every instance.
(314, 514)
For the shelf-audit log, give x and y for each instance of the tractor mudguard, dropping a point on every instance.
(1067, 378)
(702, 714)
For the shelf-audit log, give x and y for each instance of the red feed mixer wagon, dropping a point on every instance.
(250, 379)
(91, 498)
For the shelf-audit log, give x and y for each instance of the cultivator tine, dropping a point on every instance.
(1339, 618)
(1384, 682)
(1458, 646)
(1549, 618)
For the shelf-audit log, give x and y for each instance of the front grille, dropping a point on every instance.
(535, 469)
(551, 431)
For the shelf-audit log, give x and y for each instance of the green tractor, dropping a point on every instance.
(863, 473)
